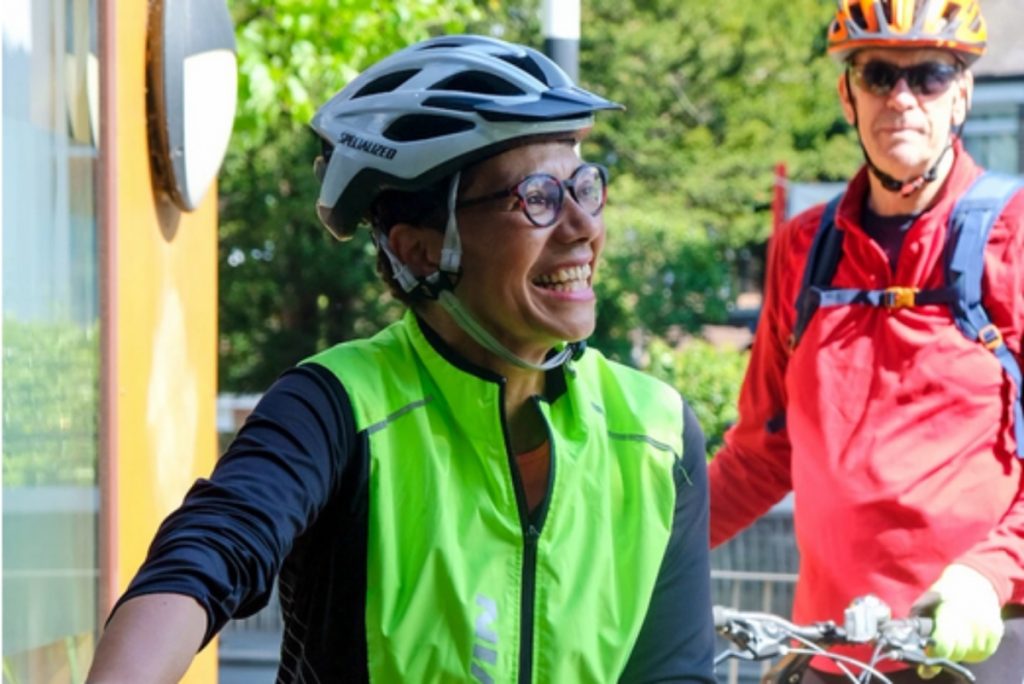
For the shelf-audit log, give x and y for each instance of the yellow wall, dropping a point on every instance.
(165, 301)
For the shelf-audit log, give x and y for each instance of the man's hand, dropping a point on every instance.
(968, 625)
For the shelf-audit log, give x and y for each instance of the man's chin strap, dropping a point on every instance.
(439, 285)
(906, 188)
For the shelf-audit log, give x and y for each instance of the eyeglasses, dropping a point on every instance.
(541, 196)
(926, 78)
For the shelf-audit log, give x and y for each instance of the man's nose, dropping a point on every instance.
(901, 94)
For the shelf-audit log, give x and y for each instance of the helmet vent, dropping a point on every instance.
(425, 127)
(887, 11)
(857, 14)
(453, 102)
(527, 64)
(442, 44)
(386, 83)
(478, 82)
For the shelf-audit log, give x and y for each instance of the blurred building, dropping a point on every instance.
(109, 319)
(994, 133)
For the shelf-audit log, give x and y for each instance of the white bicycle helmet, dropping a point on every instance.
(431, 109)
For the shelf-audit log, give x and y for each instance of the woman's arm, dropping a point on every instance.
(151, 638)
(216, 557)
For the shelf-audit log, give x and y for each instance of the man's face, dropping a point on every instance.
(904, 118)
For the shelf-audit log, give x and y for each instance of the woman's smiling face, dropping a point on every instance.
(530, 287)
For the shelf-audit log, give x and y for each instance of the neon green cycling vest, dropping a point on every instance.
(462, 585)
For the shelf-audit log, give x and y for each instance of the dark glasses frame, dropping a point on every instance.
(925, 78)
(517, 191)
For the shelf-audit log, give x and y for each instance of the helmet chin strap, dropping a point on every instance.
(465, 320)
(907, 187)
(439, 285)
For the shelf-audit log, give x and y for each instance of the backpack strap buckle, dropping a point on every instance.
(898, 297)
(991, 337)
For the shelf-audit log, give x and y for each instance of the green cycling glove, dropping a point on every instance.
(968, 624)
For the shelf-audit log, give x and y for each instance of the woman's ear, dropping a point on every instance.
(418, 247)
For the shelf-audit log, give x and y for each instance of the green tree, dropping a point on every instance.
(657, 272)
(717, 94)
(287, 288)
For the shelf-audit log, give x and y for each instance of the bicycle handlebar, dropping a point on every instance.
(867, 621)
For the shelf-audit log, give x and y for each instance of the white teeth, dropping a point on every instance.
(566, 279)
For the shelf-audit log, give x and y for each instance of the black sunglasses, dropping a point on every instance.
(541, 195)
(926, 78)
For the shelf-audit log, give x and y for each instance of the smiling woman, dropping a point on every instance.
(443, 498)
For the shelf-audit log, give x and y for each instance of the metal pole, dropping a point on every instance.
(561, 23)
(779, 197)
(112, 74)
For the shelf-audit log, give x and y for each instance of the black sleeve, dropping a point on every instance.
(225, 544)
(677, 640)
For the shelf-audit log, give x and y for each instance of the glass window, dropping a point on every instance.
(50, 339)
(993, 136)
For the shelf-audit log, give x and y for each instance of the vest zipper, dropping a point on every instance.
(530, 536)
(531, 533)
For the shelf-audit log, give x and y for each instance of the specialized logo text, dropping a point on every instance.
(368, 146)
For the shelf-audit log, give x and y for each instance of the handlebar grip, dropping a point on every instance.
(722, 616)
(925, 626)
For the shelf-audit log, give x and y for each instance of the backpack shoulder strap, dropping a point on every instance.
(821, 265)
(969, 227)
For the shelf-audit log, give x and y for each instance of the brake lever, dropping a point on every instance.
(758, 641)
(919, 657)
(955, 668)
(914, 653)
(908, 639)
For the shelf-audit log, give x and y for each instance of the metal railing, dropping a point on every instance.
(756, 570)
(765, 591)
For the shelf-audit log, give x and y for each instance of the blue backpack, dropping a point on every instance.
(969, 228)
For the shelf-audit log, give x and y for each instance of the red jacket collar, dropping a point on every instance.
(960, 177)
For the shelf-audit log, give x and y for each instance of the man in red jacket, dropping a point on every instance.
(894, 431)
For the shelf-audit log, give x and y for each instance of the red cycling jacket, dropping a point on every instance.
(892, 429)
